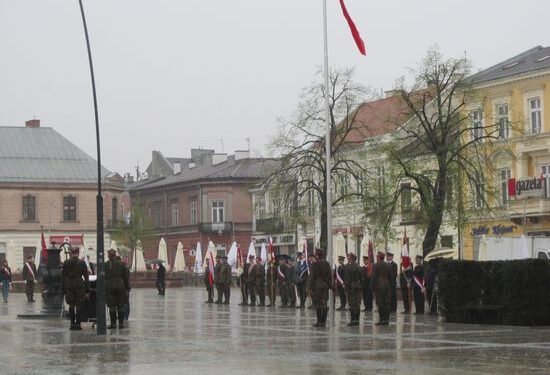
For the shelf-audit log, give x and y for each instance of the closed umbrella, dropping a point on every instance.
(163, 252)
(251, 251)
(179, 261)
(232, 255)
(263, 254)
(211, 249)
(198, 268)
(113, 245)
(139, 260)
(37, 254)
(483, 244)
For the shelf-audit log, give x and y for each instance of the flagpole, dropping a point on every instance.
(327, 148)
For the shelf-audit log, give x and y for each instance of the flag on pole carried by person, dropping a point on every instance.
(44, 254)
(211, 269)
(354, 31)
(270, 250)
(371, 258)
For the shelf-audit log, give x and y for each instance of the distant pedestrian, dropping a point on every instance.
(418, 286)
(291, 281)
(29, 275)
(250, 288)
(259, 280)
(5, 279)
(207, 284)
(354, 284)
(217, 276)
(282, 276)
(380, 284)
(161, 279)
(393, 282)
(405, 283)
(340, 284)
(225, 280)
(117, 287)
(300, 276)
(320, 281)
(367, 291)
(271, 286)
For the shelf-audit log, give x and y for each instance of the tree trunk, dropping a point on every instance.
(436, 213)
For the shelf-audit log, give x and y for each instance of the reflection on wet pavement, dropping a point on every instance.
(181, 334)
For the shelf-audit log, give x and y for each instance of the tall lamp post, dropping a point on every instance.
(100, 286)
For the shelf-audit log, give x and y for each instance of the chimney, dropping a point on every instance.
(177, 167)
(242, 154)
(32, 123)
(218, 158)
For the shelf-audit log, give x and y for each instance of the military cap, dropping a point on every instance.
(419, 257)
(341, 257)
(224, 257)
(111, 252)
(352, 255)
(75, 250)
(380, 255)
(218, 257)
(251, 256)
(389, 254)
(298, 253)
(365, 257)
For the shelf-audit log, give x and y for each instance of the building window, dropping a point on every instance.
(29, 208)
(380, 180)
(310, 202)
(193, 212)
(69, 208)
(260, 207)
(406, 197)
(447, 241)
(343, 182)
(217, 212)
(114, 210)
(504, 177)
(545, 172)
(503, 121)
(477, 124)
(175, 215)
(535, 115)
(155, 213)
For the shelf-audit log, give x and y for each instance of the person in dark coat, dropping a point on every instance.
(208, 286)
(320, 281)
(5, 279)
(117, 287)
(161, 279)
(341, 285)
(367, 291)
(354, 285)
(259, 280)
(75, 286)
(282, 282)
(291, 282)
(405, 280)
(393, 282)
(271, 286)
(217, 275)
(225, 280)
(380, 283)
(29, 275)
(300, 276)
(250, 289)
(418, 286)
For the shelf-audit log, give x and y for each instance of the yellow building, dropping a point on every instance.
(515, 95)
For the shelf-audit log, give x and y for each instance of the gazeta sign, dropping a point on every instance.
(527, 187)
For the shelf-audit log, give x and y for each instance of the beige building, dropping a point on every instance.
(49, 185)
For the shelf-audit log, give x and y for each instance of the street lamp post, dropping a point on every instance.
(100, 286)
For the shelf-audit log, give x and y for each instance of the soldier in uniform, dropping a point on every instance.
(393, 282)
(300, 276)
(320, 281)
(405, 279)
(354, 285)
(271, 276)
(367, 291)
(418, 285)
(75, 286)
(207, 282)
(282, 276)
(217, 274)
(29, 275)
(117, 287)
(259, 280)
(243, 283)
(225, 280)
(161, 279)
(250, 281)
(341, 285)
(291, 281)
(380, 283)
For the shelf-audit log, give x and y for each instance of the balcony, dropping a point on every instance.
(529, 208)
(219, 228)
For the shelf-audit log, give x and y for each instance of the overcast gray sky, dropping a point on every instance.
(177, 74)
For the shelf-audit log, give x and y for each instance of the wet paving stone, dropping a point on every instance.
(180, 334)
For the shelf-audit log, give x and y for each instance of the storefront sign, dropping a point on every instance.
(77, 240)
(526, 187)
(480, 230)
(497, 230)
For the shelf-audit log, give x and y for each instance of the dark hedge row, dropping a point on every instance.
(515, 292)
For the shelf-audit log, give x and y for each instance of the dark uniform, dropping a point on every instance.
(282, 276)
(250, 288)
(259, 282)
(29, 275)
(117, 287)
(393, 287)
(243, 282)
(271, 276)
(341, 288)
(354, 285)
(380, 283)
(209, 288)
(161, 279)
(225, 280)
(291, 284)
(405, 279)
(418, 274)
(301, 276)
(75, 286)
(367, 290)
(320, 281)
(217, 274)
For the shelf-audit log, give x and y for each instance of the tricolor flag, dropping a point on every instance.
(354, 32)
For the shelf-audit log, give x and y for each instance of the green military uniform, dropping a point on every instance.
(259, 282)
(380, 283)
(271, 276)
(225, 281)
(217, 270)
(282, 282)
(291, 284)
(354, 285)
(29, 275)
(320, 281)
(75, 286)
(117, 286)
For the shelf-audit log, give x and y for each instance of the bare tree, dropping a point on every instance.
(301, 144)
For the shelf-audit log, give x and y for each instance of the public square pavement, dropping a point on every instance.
(179, 334)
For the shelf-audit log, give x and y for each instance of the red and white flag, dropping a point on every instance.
(354, 32)
(270, 250)
(44, 254)
(405, 250)
(211, 269)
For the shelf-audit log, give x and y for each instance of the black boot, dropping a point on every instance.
(120, 318)
(112, 315)
(325, 314)
(72, 316)
(319, 318)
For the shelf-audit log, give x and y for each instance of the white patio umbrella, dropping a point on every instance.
(198, 268)
(263, 253)
(37, 253)
(251, 251)
(10, 256)
(211, 249)
(163, 252)
(138, 263)
(232, 255)
(339, 247)
(483, 244)
(524, 248)
(179, 261)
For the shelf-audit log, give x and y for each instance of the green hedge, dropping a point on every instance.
(515, 292)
